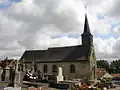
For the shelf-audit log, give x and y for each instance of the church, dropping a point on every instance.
(77, 62)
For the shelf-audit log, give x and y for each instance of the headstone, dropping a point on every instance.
(39, 75)
(17, 77)
(33, 68)
(3, 75)
(7, 75)
(11, 77)
(60, 75)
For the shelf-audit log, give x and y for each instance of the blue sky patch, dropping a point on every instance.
(74, 35)
(114, 25)
(100, 16)
(57, 36)
(7, 3)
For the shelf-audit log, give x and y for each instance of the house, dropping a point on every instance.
(116, 75)
(100, 72)
(76, 61)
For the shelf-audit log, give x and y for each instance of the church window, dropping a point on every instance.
(45, 68)
(72, 68)
(54, 69)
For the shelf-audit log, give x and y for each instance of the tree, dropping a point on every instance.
(115, 66)
(103, 64)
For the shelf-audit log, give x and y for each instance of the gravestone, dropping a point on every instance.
(11, 77)
(17, 81)
(7, 75)
(1, 74)
(60, 75)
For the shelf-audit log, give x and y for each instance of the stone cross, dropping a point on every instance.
(60, 75)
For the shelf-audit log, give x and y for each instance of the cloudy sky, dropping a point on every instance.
(39, 24)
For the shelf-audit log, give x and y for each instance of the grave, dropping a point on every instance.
(0, 74)
(14, 79)
(60, 75)
(7, 75)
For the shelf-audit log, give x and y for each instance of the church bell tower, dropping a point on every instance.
(87, 37)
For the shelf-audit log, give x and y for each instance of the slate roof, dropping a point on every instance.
(69, 53)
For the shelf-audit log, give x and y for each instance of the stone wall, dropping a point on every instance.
(82, 68)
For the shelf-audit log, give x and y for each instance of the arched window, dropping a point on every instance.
(72, 68)
(45, 68)
(54, 69)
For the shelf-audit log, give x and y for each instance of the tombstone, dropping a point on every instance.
(7, 75)
(11, 77)
(17, 81)
(1, 70)
(33, 68)
(3, 75)
(39, 75)
(60, 76)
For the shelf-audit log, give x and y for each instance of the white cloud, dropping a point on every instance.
(65, 41)
(117, 30)
(31, 23)
(105, 48)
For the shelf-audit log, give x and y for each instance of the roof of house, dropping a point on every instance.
(56, 54)
(116, 75)
(107, 75)
(100, 74)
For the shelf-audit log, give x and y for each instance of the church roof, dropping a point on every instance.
(69, 53)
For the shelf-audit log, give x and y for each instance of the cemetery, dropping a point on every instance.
(21, 78)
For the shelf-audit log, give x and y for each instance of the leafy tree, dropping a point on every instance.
(103, 64)
(115, 66)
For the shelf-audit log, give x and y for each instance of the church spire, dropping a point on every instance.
(86, 25)
(87, 38)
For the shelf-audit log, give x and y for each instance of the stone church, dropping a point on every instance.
(77, 62)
